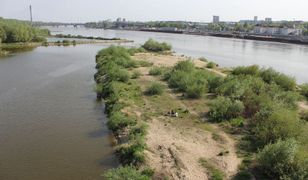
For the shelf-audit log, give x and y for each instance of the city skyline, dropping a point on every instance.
(153, 10)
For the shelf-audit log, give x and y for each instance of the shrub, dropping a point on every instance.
(271, 76)
(280, 161)
(274, 123)
(132, 153)
(136, 75)
(203, 59)
(237, 122)
(155, 89)
(249, 70)
(145, 63)
(156, 71)
(304, 115)
(211, 65)
(126, 172)
(155, 46)
(304, 90)
(224, 108)
(118, 121)
(186, 66)
(196, 90)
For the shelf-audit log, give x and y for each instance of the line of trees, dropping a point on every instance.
(13, 31)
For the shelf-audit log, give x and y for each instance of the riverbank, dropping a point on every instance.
(184, 119)
(9, 48)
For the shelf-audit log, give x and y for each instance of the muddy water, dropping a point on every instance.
(51, 126)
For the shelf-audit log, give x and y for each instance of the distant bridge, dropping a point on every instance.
(57, 24)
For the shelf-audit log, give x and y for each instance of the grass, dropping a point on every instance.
(211, 65)
(155, 89)
(156, 71)
(212, 170)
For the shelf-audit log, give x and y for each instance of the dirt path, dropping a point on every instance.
(174, 150)
(303, 105)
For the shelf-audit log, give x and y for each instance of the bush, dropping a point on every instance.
(132, 153)
(279, 161)
(156, 71)
(211, 65)
(304, 90)
(285, 82)
(237, 122)
(274, 123)
(203, 59)
(225, 109)
(249, 70)
(145, 63)
(155, 46)
(155, 89)
(196, 90)
(122, 173)
(118, 121)
(186, 66)
(136, 75)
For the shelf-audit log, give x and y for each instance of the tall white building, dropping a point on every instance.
(255, 19)
(215, 19)
(268, 20)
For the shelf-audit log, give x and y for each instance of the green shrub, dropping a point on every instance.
(155, 89)
(237, 122)
(155, 46)
(203, 59)
(156, 71)
(145, 63)
(253, 70)
(285, 82)
(132, 153)
(118, 121)
(304, 90)
(224, 108)
(186, 66)
(274, 123)
(196, 90)
(280, 161)
(125, 173)
(211, 65)
(136, 75)
(304, 115)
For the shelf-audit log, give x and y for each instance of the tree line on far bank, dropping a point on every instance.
(15, 31)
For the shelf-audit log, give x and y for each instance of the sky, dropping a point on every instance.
(151, 10)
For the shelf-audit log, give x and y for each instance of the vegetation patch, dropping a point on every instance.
(155, 46)
(212, 170)
(155, 89)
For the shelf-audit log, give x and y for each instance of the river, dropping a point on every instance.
(51, 126)
(291, 59)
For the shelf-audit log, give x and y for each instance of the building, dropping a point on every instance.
(268, 20)
(255, 19)
(277, 31)
(216, 19)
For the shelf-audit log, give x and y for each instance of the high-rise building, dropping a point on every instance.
(215, 19)
(255, 19)
(268, 20)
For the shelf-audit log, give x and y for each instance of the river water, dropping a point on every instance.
(51, 126)
(291, 59)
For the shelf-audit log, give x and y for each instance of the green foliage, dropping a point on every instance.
(237, 122)
(13, 31)
(125, 173)
(185, 77)
(249, 70)
(156, 71)
(284, 81)
(136, 75)
(118, 121)
(155, 46)
(224, 108)
(279, 161)
(211, 65)
(276, 123)
(145, 63)
(203, 59)
(213, 171)
(304, 90)
(155, 89)
(132, 153)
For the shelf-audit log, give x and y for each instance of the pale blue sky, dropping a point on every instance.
(146, 10)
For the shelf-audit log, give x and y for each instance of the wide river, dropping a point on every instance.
(51, 126)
